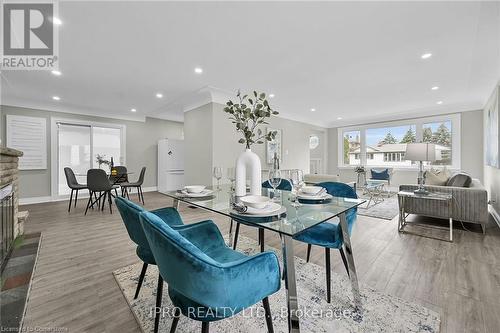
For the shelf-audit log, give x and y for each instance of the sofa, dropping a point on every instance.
(470, 204)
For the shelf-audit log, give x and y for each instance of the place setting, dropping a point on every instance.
(195, 191)
(313, 195)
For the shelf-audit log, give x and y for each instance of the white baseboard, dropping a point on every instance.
(43, 199)
(495, 215)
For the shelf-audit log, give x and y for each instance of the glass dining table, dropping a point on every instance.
(289, 221)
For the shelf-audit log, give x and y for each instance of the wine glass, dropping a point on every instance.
(274, 180)
(231, 175)
(296, 177)
(218, 175)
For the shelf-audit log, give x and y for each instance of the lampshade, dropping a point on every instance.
(421, 152)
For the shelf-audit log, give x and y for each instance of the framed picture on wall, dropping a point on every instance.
(273, 146)
(491, 133)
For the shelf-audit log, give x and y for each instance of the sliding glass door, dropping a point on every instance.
(82, 146)
(74, 152)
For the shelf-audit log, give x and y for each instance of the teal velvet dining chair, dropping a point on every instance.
(329, 235)
(129, 212)
(285, 185)
(207, 280)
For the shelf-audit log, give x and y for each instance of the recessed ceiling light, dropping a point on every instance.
(435, 88)
(56, 98)
(56, 73)
(133, 110)
(439, 102)
(313, 109)
(56, 21)
(339, 118)
(426, 55)
(159, 95)
(198, 70)
(271, 95)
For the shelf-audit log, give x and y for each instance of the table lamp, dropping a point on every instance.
(420, 152)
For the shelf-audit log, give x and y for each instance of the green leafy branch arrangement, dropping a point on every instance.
(248, 114)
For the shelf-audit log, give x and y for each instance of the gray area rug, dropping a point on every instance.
(381, 312)
(386, 209)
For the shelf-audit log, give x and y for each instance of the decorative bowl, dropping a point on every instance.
(311, 189)
(255, 201)
(194, 188)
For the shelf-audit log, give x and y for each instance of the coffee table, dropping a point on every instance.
(374, 189)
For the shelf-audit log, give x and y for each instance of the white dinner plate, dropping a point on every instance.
(204, 193)
(271, 209)
(323, 196)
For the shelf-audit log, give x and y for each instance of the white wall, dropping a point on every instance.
(209, 125)
(471, 148)
(141, 147)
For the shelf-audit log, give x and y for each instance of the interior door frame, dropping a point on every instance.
(54, 147)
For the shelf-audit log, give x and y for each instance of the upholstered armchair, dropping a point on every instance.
(129, 212)
(329, 235)
(202, 272)
(382, 174)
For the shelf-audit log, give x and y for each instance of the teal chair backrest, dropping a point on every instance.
(195, 275)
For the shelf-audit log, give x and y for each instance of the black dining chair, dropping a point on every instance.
(120, 177)
(98, 183)
(137, 185)
(73, 185)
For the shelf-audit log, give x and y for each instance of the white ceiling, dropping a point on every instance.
(357, 60)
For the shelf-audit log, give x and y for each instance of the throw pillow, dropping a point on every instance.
(460, 179)
(380, 174)
(435, 177)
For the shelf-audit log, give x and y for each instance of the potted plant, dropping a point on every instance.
(101, 159)
(248, 114)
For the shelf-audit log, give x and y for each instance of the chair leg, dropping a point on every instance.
(231, 226)
(261, 236)
(269, 318)
(309, 246)
(110, 202)
(70, 199)
(141, 278)
(76, 197)
(177, 314)
(328, 274)
(88, 203)
(159, 294)
(205, 326)
(116, 192)
(344, 260)
(236, 235)
(126, 192)
(142, 194)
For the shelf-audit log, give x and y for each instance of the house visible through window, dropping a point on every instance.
(379, 145)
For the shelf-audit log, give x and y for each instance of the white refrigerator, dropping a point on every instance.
(170, 165)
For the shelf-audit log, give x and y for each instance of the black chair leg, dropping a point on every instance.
(116, 192)
(76, 197)
(126, 192)
(328, 275)
(205, 326)
(269, 318)
(142, 194)
(110, 202)
(261, 236)
(88, 203)
(231, 226)
(159, 294)
(309, 246)
(236, 235)
(177, 314)
(344, 260)
(70, 199)
(141, 278)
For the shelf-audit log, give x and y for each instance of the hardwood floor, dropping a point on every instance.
(73, 287)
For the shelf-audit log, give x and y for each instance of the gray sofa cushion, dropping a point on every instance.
(460, 179)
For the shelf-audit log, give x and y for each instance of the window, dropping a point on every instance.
(439, 133)
(77, 146)
(384, 144)
(352, 147)
(387, 145)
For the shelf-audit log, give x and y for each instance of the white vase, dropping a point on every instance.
(248, 165)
